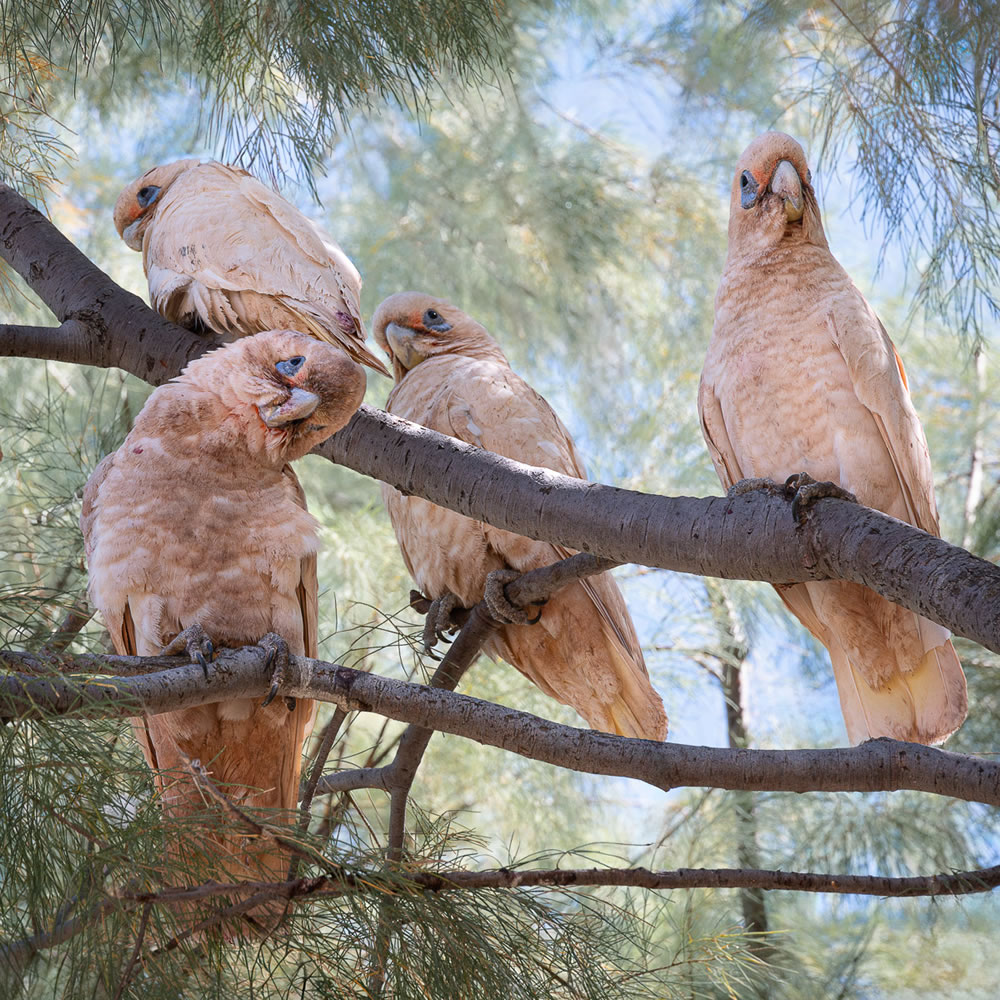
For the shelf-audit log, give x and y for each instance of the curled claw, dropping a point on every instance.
(805, 491)
(277, 661)
(500, 605)
(438, 623)
(195, 642)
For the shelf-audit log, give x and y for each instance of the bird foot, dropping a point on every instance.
(750, 485)
(500, 605)
(805, 491)
(438, 622)
(195, 642)
(277, 658)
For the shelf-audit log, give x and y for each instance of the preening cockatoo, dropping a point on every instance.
(802, 377)
(198, 520)
(225, 253)
(452, 376)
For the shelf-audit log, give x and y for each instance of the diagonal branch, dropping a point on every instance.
(875, 766)
(752, 537)
(398, 776)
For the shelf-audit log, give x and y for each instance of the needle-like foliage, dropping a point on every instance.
(273, 81)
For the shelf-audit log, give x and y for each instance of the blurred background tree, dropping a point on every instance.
(561, 172)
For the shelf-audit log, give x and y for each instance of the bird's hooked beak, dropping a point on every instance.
(786, 184)
(131, 234)
(299, 405)
(404, 350)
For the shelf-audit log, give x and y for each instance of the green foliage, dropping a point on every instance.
(592, 255)
(274, 80)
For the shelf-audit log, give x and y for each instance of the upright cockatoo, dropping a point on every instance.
(198, 520)
(452, 376)
(223, 252)
(802, 377)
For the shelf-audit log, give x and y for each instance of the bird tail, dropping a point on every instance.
(924, 705)
(585, 654)
(636, 710)
(897, 673)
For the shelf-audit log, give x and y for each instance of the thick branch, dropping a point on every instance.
(878, 765)
(122, 330)
(752, 537)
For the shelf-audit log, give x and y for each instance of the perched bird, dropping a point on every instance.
(452, 376)
(224, 253)
(801, 377)
(196, 534)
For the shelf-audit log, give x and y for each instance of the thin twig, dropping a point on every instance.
(205, 782)
(329, 737)
(127, 974)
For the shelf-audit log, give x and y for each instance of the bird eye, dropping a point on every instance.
(147, 195)
(433, 320)
(748, 189)
(291, 367)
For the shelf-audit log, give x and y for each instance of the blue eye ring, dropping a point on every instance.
(291, 367)
(147, 195)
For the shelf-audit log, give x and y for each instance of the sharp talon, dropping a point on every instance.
(195, 643)
(535, 620)
(276, 657)
(439, 623)
(805, 491)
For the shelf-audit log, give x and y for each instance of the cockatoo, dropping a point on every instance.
(223, 252)
(452, 376)
(196, 534)
(801, 377)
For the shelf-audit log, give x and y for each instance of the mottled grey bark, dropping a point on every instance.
(752, 537)
(878, 765)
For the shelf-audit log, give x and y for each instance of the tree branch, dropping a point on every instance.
(878, 765)
(14, 953)
(752, 537)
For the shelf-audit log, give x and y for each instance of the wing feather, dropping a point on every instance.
(880, 385)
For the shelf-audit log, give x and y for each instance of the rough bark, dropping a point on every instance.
(752, 537)
(875, 766)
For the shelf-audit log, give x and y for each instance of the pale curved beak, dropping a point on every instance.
(299, 405)
(132, 236)
(401, 340)
(785, 183)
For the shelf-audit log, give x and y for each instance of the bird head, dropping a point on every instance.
(138, 202)
(411, 327)
(283, 390)
(772, 195)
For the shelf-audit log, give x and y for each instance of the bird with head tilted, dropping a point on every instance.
(196, 529)
(452, 377)
(224, 253)
(802, 377)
